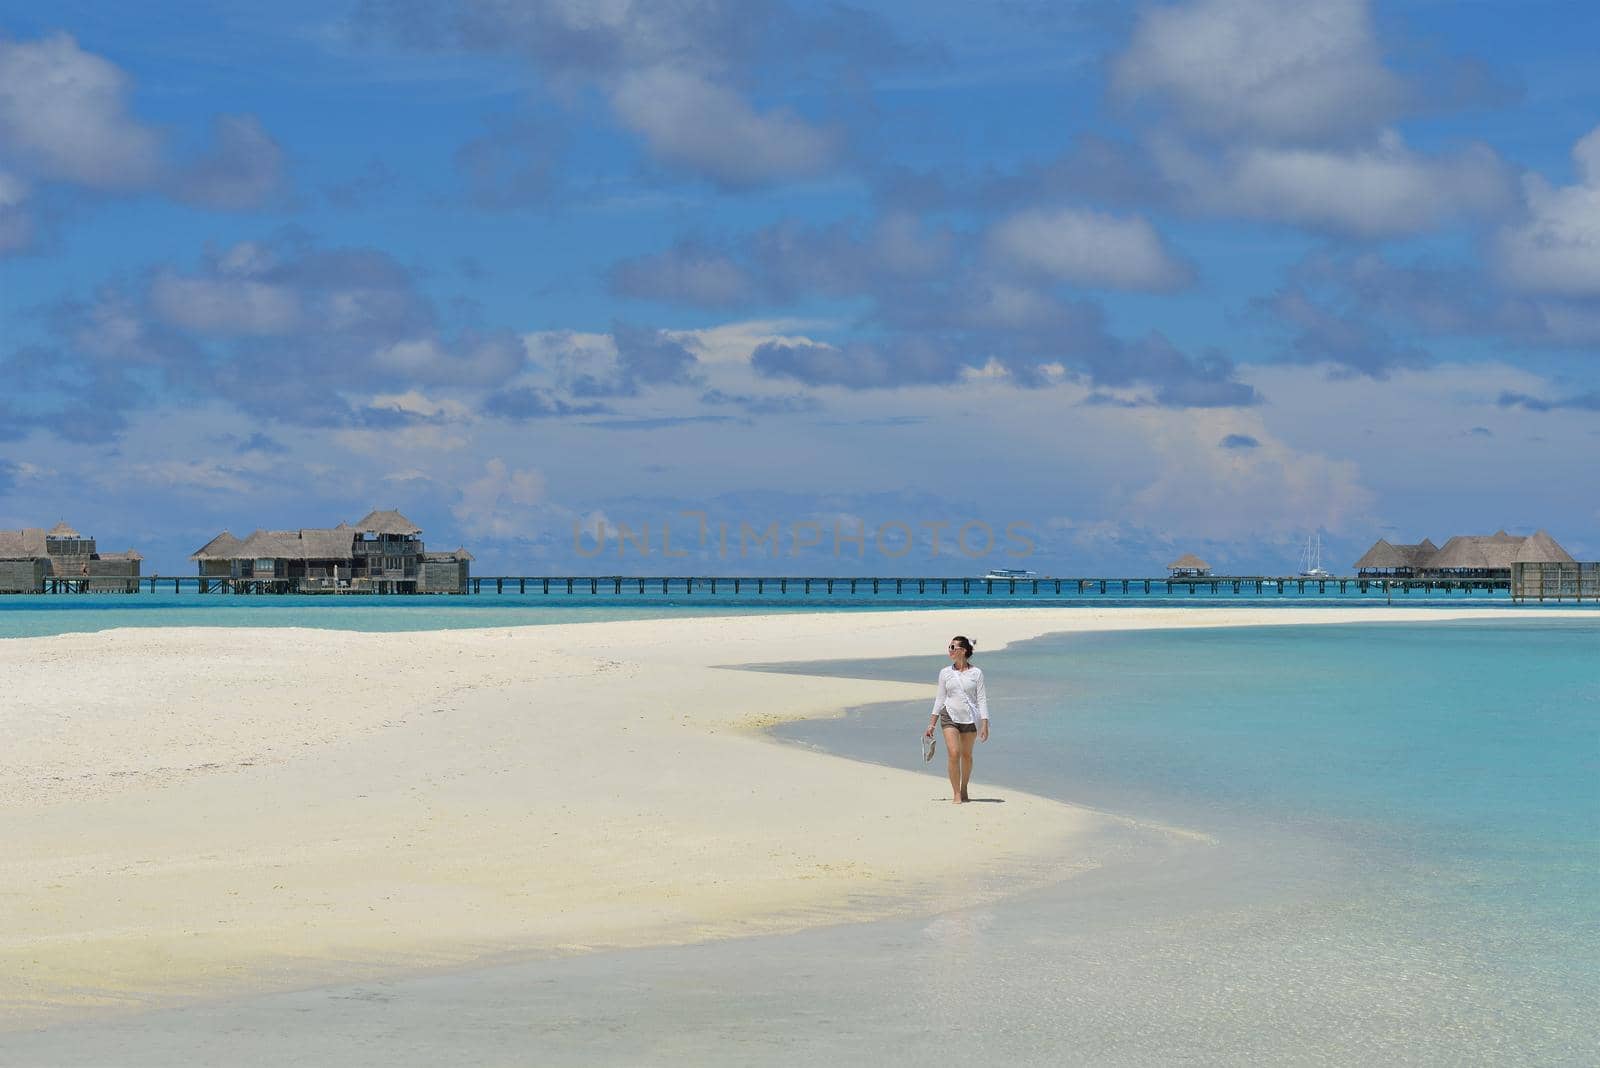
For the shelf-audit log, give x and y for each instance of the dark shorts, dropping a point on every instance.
(964, 728)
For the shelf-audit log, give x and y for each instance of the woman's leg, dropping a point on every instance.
(968, 740)
(952, 749)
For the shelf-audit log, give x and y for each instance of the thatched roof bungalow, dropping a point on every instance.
(216, 556)
(1463, 556)
(383, 553)
(1541, 548)
(390, 523)
(25, 544)
(1189, 566)
(30, 556)
(1401, 561)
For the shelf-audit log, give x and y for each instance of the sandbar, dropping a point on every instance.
(196, 813)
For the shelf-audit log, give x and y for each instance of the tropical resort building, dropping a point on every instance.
(1189, 566)
(1465, 556)
(32, 558)
(382, 553)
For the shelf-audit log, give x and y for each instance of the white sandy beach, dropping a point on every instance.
(195, 813)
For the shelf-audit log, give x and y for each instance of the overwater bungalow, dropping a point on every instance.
(1465, 556)
(381, 553)
(1189, 566)
(32, 556)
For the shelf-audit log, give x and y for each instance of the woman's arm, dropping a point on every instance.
(938, 703)
(983, 709)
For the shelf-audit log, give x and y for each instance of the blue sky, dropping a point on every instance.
(1131, 280)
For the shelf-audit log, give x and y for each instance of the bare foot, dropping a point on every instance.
(964, 796)
(957, 800)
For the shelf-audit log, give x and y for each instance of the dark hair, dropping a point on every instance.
(966, 644)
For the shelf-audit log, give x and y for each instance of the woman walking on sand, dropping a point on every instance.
(961, 708)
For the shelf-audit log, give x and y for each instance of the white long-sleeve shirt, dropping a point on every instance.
(960, 694)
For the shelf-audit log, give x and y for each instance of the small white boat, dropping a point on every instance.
(1006, 574)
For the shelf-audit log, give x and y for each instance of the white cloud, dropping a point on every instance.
(1275, 488)
(503, 502)
(415, 402)
(732, 343)
(1087, 247)
(490, 360)
(901, 245)
(1263, 68)
(1008, 306)
(384, 444)
(569, 355)
(243, 169)
(225, 306)
(686, 275)
(993, 369)
(709, 129)
(63, 116)
(1379, 190)
(1556, 249)
(238, 477)
(16, 225)
(13, 190)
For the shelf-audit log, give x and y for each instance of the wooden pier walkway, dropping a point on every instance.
(945, 586)
(921, 586)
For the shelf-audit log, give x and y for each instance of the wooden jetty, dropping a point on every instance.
(965, 586)
(1541, 582)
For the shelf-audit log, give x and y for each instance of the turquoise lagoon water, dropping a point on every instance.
(1407, 818)
(37, 616)
(1401, 865)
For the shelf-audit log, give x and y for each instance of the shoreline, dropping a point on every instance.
(234, 832)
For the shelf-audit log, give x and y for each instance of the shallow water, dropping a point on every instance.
(1405, 823)
(32, 616)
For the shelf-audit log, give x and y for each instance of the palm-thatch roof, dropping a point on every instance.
(25, 544)
(131, 554)
(1472, 552)
(220, 547)
(293, 545)
(327, 544)
(62, 530)
(1466, 552)
(1188, 562)
(1388, 555)
(388, 522)
(1383, 554)
(1541, 548)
